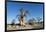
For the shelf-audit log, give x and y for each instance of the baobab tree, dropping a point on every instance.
(22, 14)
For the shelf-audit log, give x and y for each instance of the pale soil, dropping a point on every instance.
(26, 27)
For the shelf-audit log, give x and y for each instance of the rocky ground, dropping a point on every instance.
(16, 27)
(23, 28)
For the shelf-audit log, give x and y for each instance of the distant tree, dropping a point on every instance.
(31, 21)
(38, 18)
(13, 22)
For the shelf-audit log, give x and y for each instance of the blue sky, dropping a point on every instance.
(35, 10)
